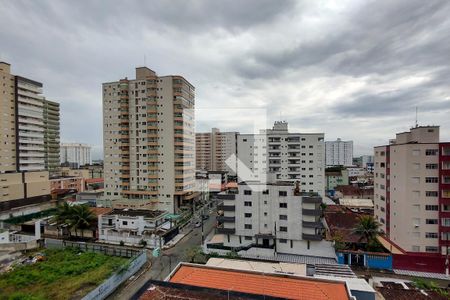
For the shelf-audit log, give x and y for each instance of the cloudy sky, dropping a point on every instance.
(351, 69)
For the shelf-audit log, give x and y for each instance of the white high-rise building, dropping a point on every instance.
(278, 155)
(339, 153)
(77, 154)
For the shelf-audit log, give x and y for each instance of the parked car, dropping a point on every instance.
(197, 224)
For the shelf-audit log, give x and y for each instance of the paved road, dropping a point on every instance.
(159, 268)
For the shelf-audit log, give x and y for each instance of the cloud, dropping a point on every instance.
(322, 66)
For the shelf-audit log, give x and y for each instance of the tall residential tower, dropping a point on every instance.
(412, 190)
(149, 141)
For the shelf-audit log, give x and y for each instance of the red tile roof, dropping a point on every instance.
(94, 180)
(342, 220)
(100, 210)
(261, 284)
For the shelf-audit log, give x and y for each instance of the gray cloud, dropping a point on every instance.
(316, 65)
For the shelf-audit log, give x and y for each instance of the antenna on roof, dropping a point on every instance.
(417, 124)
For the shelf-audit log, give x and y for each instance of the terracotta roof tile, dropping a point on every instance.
(254, 283)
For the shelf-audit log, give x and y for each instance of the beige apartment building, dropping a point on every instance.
(412, 190)
(149, 141)
(213, 149)
(51, 136)
(23, 176)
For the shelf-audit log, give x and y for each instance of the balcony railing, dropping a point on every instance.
(226, 219)
(226, 207)
(312, 237)
(316, 200)
(307, 224)
(311, 212)
(226, 230)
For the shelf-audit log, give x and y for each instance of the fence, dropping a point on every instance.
(108, 286)
(93, 247)
(365, 259)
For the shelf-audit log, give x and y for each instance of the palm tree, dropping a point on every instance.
(367, 228)
(81, 218)
(63, 215)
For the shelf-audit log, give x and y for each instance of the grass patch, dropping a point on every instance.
(65, 274)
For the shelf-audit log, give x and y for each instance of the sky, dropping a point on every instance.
(356, 70)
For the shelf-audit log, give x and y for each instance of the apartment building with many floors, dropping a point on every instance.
(213, 150)
(23, 176)
(339, 153)
(275, 216)
(412, 190)
(51, 136)
(75, 154)
(279, 155)
(149, 141)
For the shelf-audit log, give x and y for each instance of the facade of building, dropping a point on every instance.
(23, 179)
(51, 136)
(76, 154)
(133, 226)
(214, 148)
(70, 182)
(149, 141)
(336, 178)
(339, 153)
(278, 155)
(412, 190)
(274, 216)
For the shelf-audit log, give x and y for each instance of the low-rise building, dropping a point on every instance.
(134, 226)
(69, 182)
(273, 216)
(335, 178)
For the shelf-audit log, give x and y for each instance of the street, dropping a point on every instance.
(160, 267)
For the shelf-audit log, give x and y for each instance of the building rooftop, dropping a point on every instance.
(341, 220)
(253, 265)
(137, 212)
(100, 210)
(281, 286)
(406, 291)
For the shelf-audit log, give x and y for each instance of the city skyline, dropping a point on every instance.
(329, 69)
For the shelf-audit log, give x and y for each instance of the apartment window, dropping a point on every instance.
(283, 228)
(265, 214)
(248, 226)
(431, 249)
(431, 152)
(431, 179)
(432, 221)
(431, 166)
(247, 203)
(382, 165)
(283, 241)
(431, 193)
(445, 222)
(124, 222)
(431, 235)
(432, 207)
(283, 205)
(248, 238)
(247, 192)
(282, 193)
(283, 217)
(247, 215)
(265, 192)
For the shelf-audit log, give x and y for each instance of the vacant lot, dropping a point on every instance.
(64, 274)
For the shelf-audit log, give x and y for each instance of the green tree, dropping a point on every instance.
(81, 218)
(63, 215)
(367, 228)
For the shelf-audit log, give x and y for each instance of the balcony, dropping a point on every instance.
(226, 230)
(226, 219)
(226, 207)
(225, 197)
(311, 212)
(311, 237)
(315, 200)
(307, 224)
